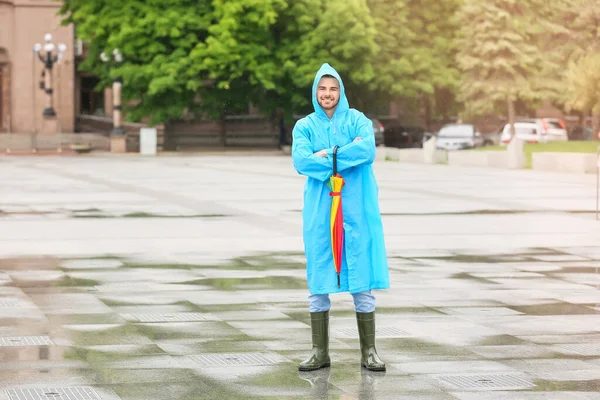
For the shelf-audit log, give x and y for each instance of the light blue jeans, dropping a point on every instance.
(364, 302)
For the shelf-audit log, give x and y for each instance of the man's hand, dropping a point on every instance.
(356, 139)
(322, 153)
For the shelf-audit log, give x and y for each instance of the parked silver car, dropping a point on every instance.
(458, 137)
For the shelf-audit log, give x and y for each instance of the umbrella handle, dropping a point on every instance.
(335, 149)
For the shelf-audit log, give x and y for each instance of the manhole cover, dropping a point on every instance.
(485, 382)
(177, 317)
(586, 349)
(217, 360)
(384, 332)
(25, 341)
(10, 303)
(124, 287)
(62, 393)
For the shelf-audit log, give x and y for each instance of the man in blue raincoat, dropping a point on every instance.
(364, 264)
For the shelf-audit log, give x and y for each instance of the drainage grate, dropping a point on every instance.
(505, 382)
(10, 303)
(385, 332)
(172, 317)
(586, 349)
(25, 341)
(223, 360)
(62, 393)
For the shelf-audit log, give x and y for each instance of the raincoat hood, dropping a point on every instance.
(343, 105)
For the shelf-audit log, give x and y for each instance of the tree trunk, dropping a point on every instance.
(222, 131)
(511, 115)
(279, 124)
(427, 107)
(169, 143)
(595, 123)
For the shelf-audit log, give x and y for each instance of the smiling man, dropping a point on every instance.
(364, 263)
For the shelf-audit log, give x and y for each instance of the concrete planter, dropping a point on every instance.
(578, 163)
(419, 156)
(488, 159)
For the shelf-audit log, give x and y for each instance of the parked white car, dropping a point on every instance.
(537, 130)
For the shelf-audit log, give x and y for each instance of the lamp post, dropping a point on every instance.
(49, 59)
(117, 58)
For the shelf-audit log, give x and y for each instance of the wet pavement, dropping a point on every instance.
(182, 277)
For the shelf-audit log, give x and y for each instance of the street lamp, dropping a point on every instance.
(49, 59)
(117, 58)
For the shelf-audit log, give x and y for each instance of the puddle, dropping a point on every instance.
(68, 281)
(577, 270)
(501, 340)
(188, 330)
(467, 276)
(165, 266)
(231, 344)
(123, 334)
(215, 308)
(99, 214)
(151, 215)
(568, 386)
(143, 376)
(256, 263)
(85, 319)
(555, 309)
(269, 282)
(280, 377)
(471, 212)
(108, 353)
(198, 387)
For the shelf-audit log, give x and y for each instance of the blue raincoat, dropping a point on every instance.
(364, 261)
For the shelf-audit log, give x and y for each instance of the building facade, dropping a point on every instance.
(23, 23)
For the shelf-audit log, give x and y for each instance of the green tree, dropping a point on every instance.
(582, 52)
(416, 49)
(186, 58)
(498, 55)
(155, 38)
(277, 46)
(584, 83)
(436, 26)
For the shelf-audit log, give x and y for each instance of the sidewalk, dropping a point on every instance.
(183, 278)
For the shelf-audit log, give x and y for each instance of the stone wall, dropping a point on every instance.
(22, 24)
(564, 162)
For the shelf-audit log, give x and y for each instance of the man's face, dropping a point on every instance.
(328, 93)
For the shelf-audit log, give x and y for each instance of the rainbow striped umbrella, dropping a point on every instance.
(336, 217)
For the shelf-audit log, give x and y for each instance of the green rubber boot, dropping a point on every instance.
(366, 331)
(319, 358)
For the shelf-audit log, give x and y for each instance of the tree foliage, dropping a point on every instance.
(498, 55)
(583, 79)
(190, 58)
(155, 38)
(416, 42)
(185, 57)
